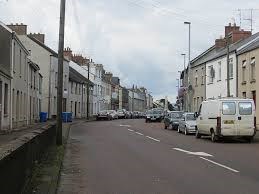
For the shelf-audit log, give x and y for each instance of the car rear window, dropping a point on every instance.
(176, 115)
(229, 108)
(245, 108)
(190, 117)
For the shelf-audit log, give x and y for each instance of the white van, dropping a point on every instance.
(227, 117)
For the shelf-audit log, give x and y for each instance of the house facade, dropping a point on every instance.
(47, 60)
(198, 78)
(248, 72)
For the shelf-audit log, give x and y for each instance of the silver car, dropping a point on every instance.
(187, 124)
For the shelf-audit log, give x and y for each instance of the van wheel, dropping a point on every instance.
(249, 139)
(214, 138)
(186, 131)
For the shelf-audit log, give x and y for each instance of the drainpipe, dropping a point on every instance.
(236, 74)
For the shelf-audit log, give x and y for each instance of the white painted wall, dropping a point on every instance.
(219, 87)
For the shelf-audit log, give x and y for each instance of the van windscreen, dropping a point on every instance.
(245, 108)
(229, 108)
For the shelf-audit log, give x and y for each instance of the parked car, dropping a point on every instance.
(154, 115)
(172, 119)
(121, 114)
(187, 124)
(103, 115)
(135, 115)
(113, 114)
(128, 115)
(227, 117)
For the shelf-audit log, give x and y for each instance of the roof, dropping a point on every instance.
(78, 73)
(200, 59)
(234, 47)
(54, 53)
(249, 47)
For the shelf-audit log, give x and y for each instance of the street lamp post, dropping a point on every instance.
(184, 55)
(189, 66)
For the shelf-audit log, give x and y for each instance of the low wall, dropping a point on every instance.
(18, 157)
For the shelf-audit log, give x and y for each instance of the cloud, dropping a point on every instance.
(139, 40)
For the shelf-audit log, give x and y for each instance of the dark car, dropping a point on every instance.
(104, 115)
(154, 115)
(172, 119)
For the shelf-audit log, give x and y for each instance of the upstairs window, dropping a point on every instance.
(231, 66)
(244, 71)
(252, 71)
(219, 71)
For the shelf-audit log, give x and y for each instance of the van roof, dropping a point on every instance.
(229, 99)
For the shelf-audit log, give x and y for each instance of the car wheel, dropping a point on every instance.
(165, 127)
(178, 129)
(214, 137)
(186, 131)
(197, 134)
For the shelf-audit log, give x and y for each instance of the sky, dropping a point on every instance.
(141, 41)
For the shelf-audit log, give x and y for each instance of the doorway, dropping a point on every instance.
(75, 109)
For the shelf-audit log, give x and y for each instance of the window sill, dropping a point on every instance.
(230, 78)
(243, 83)
(253, 81)
(219, 80)
(210, 83)
(5, 115)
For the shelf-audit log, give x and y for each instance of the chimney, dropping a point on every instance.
(68, 53)
(229, 29)
(20, 29)
(220, 43)
(40, 37)
(236, 34)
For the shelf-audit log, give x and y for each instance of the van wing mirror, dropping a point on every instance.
(196, 114)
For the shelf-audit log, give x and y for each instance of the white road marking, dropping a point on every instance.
(125, 125)
(153, 138)
(221, 165)
(130, 130)
(139, 133)
(194, 153)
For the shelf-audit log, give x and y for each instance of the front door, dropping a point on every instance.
(75, 109)
(1, 106)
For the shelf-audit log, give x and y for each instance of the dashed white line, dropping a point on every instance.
(221, 165)
(157, 140)
(139, 133)
(125, 125)
(194, 153)
(130, 130)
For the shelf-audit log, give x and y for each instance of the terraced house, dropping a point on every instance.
(248, 73)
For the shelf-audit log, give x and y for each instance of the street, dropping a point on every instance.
(131, 156)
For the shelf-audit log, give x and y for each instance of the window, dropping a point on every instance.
(65, 85)
(56, 79)
(245, 108)
(6, 99)
(229, 108)
(254, 96)
(252, 71)
(14, 55)
(244, 94)
(55, 104)
(211, 74)
(71, 87)
(198, 101)
(231, 68)
(190, 117)
(196, 77)
(40, 84)
(71, 106)
(79, 108)
(20, 62)
(219, 71)
(244, 71)
(194, 103)
(25, 67)
(202, 76)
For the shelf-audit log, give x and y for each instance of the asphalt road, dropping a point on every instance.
(134, 157)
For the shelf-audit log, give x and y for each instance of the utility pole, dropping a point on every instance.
(189, 66)
(228, 77)
(184, 55)
(88, 90)
(60, 71)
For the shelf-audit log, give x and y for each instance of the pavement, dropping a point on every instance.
(134, 157)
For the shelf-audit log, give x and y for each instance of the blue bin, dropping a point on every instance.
(69, 117)
(43, 117)
(66, 117)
